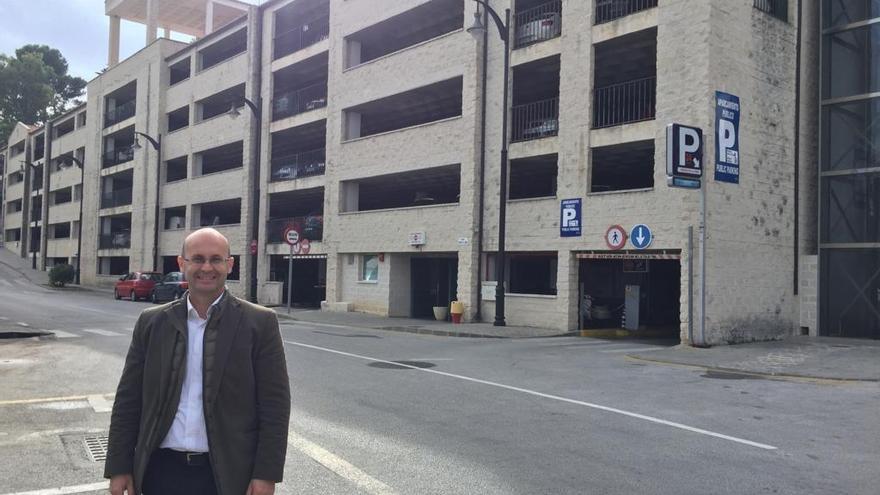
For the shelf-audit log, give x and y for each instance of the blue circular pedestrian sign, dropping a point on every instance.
(640, 236)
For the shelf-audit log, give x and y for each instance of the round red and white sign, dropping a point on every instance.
(615, 237)
(291, 236)
(304, 246)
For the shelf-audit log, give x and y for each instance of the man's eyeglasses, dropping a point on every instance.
(216, 261)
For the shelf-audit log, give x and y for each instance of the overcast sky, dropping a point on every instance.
(78, 28)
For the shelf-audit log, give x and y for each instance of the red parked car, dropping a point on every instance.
(136, 285)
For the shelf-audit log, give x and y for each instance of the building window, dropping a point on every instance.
(533, 177)
(531, 273)
(776, 8)
(369, 268)
(235, 273)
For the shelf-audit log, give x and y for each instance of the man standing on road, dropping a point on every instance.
(203, 403)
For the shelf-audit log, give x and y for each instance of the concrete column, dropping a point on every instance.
(209, 18)
(152, 20)
(113, 46)
(352, 125)
(166, 33)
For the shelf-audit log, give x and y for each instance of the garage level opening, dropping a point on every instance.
(638, 292)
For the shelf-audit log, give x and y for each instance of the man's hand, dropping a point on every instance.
(261, 487)
(121, 484)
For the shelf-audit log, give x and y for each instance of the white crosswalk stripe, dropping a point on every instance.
(101, 331)
(5, 283)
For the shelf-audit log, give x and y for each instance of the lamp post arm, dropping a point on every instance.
(253, 106)
(502, 28)
(148, 138)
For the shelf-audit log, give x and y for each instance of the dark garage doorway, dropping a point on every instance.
(309, 279)
(609, 289)
(434, 282)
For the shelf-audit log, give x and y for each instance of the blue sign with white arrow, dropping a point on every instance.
(641, 236)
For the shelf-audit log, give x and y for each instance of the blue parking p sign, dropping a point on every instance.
(570, 218)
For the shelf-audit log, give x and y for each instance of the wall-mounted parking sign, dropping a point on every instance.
(727, 111)
(684, 155)
(570, 217)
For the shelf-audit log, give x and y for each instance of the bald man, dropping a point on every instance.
(203, 403)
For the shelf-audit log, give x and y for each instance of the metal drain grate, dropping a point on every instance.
(96, 445)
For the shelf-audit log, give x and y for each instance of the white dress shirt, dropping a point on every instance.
(188, 432)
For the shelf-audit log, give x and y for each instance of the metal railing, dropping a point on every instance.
(294, 166)
(299, 101)
(535, 120)
(301, 36)
(115, 157)
(119, 197)
(776, 8)
(537, 24)
(310, 227)
(119, 240)
(211, 58)
(609, 10)
(118, 114)
(631, 101)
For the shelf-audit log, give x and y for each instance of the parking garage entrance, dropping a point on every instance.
(636, 291)
(433, 282)
(309, 278)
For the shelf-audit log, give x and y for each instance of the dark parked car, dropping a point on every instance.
(170, 288)
(136, 285)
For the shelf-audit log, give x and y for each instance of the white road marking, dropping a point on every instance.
(47, 399)
(338, 465)
(636, 349)
(61, 334)
(101, 331)
(22, 324)
(4, 318)
(644, 417)
(64, 490)
(6, 283)
(100, 404)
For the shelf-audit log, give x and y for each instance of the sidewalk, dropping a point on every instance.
(822, 358)
(814, 358)
(412, 325)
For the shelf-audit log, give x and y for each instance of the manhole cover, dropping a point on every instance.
(400, 365)
(96, 446)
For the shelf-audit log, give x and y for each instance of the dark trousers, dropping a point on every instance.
(171, 473)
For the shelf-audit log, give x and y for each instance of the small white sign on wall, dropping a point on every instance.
(416, 239)
(487, 290)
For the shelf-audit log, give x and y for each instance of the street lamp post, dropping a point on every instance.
(76, 161)
(504, 30)
(157, 145)
(255, 173)
(27, 167)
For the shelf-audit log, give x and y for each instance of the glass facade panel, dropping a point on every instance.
(850, 304)
(852, 62)
(843, 12)
(849, 183)
(852, 208)
(851, 132)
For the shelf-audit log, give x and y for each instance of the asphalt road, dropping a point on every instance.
(458, 416)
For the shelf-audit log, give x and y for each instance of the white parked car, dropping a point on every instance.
(542, 27)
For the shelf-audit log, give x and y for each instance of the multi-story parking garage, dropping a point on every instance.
(373, 129)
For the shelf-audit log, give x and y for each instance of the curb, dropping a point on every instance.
(798, 377)
(620, 333)
(428, 331)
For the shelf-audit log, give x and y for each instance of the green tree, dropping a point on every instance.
(34, 86)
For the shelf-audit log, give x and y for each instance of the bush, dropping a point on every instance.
(61, 274)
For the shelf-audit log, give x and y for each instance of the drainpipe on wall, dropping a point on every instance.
(797, 146)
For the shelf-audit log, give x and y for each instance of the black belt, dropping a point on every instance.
(186, 458)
